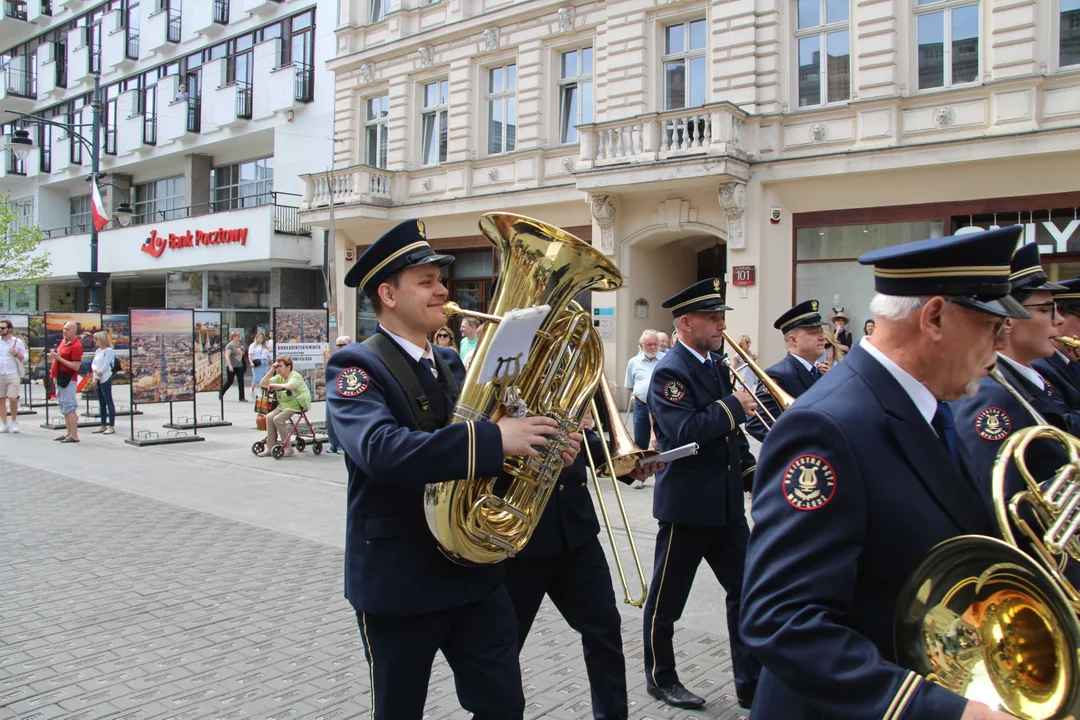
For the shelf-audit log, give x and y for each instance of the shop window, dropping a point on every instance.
(242, 185)
(948, 32)
(238, 290)
(576, 92)
(1069, 33)
(376, 125)
(502, 109)
(159, 200)
(436, 97)
(684, 65)
(184, 290)
(824, 50)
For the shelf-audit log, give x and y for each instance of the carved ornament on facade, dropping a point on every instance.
(733, 201)
(566, 19)
(568, 164)
(491, 39)
(428, 184)
(818, 132)
(493, 174)
(425, 57)
(944, 116)
(603, 212)
(367, 73)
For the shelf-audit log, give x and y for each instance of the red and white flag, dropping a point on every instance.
(101, 219)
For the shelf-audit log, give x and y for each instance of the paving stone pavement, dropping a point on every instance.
(114, 605)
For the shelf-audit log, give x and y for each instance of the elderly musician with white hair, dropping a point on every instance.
(639, 372)
(839, 485)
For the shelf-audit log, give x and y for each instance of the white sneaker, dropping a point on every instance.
(3, 429)
(14, 427)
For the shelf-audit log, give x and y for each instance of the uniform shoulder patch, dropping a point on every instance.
(352, 382)
(674, 391)
(1049, 388)
(993, 424)
(809, 483)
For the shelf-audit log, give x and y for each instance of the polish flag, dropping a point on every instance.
(98, 208)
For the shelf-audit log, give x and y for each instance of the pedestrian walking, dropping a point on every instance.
(234, 356)
(103, 368)
(66, 359)
(260, 355)
(12, 368)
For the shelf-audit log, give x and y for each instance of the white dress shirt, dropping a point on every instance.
(808, 366)
(701, 358)
(415, 351)
(924, 400)
(7, 360)
(1029, 373)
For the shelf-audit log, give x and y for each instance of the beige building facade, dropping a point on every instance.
(769, 142)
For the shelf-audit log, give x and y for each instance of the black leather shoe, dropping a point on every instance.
(746, 700)
(676, 696)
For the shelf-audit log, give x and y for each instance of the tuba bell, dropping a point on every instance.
(539, 265)
(991, 622)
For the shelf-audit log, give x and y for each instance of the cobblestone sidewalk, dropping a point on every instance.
(118, 606)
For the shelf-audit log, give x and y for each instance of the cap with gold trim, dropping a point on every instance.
(403, 246)
(972, 270)
(702, 296)
(1070, 296)
(1026, 274)
(805, 314)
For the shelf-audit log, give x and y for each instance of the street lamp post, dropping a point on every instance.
(22, 145)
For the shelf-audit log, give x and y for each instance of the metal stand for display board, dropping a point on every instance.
(119, 412)
(26, 406)
(150, 437)
(61, 424)
(204, 421)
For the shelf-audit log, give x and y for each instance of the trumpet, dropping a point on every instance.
(1071, 343)
(782, 398)
(626, 456)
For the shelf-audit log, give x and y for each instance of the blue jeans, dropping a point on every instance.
(107, 410)
(330, 434)
(642, 429)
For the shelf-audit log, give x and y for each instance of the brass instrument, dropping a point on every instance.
(1069, 342)
(988, 621)
(626, 457)
(782, 398)
(539, 265)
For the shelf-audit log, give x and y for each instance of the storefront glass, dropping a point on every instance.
(239, 290)
(184, 290)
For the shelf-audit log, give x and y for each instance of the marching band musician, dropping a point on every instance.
(801, 327)
(839, 483)
(564, 559)
(698, 500)
(988, 417)
(1062, 368)
(390, 399)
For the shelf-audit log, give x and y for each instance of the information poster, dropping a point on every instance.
(209, 357)
(38, 368)
(303, 335)
(86, 324)
(119, 329)
(162, 356)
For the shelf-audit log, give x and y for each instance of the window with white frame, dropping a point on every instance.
(502, 109)
(159, 200)
(436, 98)
(379, 9)
(684, 65)
(23, 210)
(81, 214)
(375, 126)
(948, 37)
(824, 48)
(1069, 33)
(575, 92)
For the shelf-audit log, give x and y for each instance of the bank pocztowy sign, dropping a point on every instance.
(156, 244)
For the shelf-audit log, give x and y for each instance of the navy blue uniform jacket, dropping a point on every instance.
(392, 563)
(793, 377)
(848, 498)
(1055, 369)
(690, 404)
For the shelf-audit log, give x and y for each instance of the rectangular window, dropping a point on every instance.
(684, 65)
(824, 50)
(242, 185)
(1069, 33)
(436, 97)
(159, 200)
(23, 211)
(576, 92)
(948, 52)
(502, 109)
(81, 215)
(375, 128)
(379, 9)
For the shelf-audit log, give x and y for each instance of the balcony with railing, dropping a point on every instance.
(15, 10)
(149, 126)
(173, 32)
(181, 117)
(243, 100)
(360, 184)
(119, 46)
(18, 83)
(305, 82)
(206, 17)
(221, 12)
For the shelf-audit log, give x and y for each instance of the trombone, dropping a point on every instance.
(624, 459)
(782, 398)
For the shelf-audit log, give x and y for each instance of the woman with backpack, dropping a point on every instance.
(104, 366)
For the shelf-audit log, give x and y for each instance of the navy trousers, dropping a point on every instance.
(579, 583)
(479, 642)
(679, 550)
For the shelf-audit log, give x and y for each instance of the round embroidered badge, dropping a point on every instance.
(1049, 388)
(674, 391)
(352, 381)
(993, 424)
(809, 483)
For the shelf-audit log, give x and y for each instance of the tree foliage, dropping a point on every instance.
(22, 259)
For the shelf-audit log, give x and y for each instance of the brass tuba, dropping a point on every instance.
(986, 620)
(539, 265)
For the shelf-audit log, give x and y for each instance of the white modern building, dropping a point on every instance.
(766, 141)
(209, 114)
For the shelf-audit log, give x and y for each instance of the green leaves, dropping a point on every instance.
(22, 259)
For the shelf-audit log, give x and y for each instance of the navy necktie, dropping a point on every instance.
(815, 372)
(430, 365)
(945, 426)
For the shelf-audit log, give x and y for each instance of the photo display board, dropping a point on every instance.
(209, 352)
(38, 368)
(303, 335)
(119, 329)
(162, 356)
(86, 324)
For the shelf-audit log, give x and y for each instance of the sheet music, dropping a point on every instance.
(509, 349)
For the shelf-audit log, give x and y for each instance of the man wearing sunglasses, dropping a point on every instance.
(12, 366)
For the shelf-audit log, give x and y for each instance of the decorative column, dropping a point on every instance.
(733, 201)
(603, 214)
